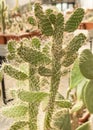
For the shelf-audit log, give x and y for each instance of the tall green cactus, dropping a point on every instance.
(51, 25)
(3, 9)
(54, 26)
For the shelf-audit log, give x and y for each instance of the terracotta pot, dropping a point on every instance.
(86, 25)
(4, 38)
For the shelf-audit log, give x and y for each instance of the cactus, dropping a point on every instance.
(3, 10)
(54, 26)
(32, 97)
(43, 64)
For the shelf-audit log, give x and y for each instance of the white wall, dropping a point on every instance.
(11, 3)
(87, 4)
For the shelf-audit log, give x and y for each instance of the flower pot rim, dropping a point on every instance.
(4, 38)
(86, 25)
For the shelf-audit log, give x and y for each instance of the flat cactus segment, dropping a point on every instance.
(15, 111)
(59, 28)
(35, 42)
(11, 46)
(38, 10)
(33, 56)
(32, 97)
(48, 12)
(15, 73)
(63, 103)
(45, 26)
(74, 21)
(86, 63)
(52, 18)
(18, 125)
(61, 120)
(31, 20)
(76, 43)
(44, 22)
(88, 96)
(69, 59)
(44, 71)
(72, 49)
(85, 126)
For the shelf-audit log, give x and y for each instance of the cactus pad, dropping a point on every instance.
(14, 73)
(86, 63)
(52, 18)
(75, 43)
(32, 97)
(44, 71)
(18, 125)
(33, 56)
(74, 21)
(45, 26)
(15, 111)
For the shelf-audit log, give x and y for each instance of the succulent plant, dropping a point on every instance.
(53, 25)
(42, 64)
(3, 9)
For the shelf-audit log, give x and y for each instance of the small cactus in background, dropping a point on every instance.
(43, 64)
(3, 9)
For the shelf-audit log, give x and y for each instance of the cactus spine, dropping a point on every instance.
(54, 26)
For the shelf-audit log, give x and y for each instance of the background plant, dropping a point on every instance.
(3, 9)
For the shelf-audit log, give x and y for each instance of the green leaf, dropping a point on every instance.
(63, 103)
(85, 126)
(79, 104)
(18, 125)
(80, 89)
(61, 120)
(74, 20)
(88, 96)
(75, 75)
(32, 97)
(14, 73)
(15, 111)
(86, 63)
(33, 56)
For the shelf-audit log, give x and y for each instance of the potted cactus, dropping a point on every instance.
(43, 64)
